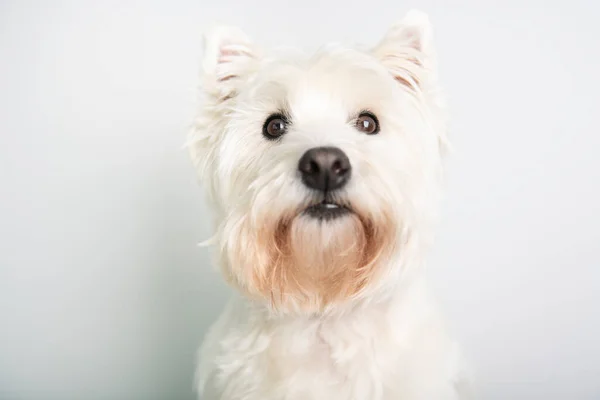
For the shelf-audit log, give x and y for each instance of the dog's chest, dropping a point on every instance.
(376, 355)
(341, 362)
(300, 361)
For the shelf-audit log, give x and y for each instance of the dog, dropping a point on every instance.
(324, 174)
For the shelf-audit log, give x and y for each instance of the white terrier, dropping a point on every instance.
(324, 175)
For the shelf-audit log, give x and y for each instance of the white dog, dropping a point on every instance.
(324, 175)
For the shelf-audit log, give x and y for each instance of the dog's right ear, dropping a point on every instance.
(229, 58)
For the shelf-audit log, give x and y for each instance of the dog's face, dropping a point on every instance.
(323, 170)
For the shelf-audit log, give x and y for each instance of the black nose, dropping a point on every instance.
(325, 168)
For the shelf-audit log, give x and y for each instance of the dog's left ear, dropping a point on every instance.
(407, 49)
(229, 59)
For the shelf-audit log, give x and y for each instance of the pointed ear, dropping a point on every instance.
(228, 60)
(407, 49)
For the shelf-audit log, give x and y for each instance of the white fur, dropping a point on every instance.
(384, 340)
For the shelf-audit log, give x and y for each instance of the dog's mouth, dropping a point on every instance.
(327, 210)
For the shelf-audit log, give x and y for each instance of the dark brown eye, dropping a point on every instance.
(275, 126)
(367, 123)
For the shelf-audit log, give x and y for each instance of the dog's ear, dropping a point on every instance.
(229, 57)
(407, 49)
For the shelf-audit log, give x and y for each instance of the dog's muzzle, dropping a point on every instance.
(325, 169)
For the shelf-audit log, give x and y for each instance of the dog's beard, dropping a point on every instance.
(301, 263)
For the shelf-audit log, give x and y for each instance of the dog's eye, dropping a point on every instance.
(367, 123)
(275, 126)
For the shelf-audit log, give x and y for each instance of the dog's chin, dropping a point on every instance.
(313, 256)
(327, 211)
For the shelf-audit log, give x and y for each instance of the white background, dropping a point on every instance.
(103, 291)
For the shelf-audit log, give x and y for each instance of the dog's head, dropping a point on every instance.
(323, 171)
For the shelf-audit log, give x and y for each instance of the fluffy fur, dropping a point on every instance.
(335, 310)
